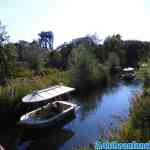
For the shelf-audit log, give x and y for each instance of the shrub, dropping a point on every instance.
(85, 69)
(144, 74)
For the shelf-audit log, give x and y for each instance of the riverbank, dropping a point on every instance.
(11, 93)
(137, 126)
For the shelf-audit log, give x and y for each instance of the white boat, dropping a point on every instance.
(52, 113)
(128, 73)
(128, 69)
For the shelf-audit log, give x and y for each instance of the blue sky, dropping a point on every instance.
(69, 19)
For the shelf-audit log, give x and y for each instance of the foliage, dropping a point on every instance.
(23, 73)
(144, 74)
(3, 35)
(46, 39)
(22, 50)
(7, 62)
(55, 60)
(7, 56)
(36, 57)
(113, 62)
(136, 51)
(18, 88)
(86, 71)
(137, 127)
(113, 43)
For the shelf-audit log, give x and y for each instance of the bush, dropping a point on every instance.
(7, 62)
(85, 69)
(144, 74)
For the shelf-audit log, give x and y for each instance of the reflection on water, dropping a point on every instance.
(52, 139)
(95, 115)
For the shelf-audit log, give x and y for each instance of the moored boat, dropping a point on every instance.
(50, 114)
(128, 73)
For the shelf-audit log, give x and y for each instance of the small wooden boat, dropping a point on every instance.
(52, 113)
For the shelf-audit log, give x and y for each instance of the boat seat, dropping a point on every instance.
(57, 108)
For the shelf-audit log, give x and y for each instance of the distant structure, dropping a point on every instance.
(46, 39)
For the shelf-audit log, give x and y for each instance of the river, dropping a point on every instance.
(99, 112)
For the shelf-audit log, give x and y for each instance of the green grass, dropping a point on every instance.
(137, 127)
(17, 88)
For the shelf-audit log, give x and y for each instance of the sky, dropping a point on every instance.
(69, 19)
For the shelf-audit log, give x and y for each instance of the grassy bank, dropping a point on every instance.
(26, 82)
(15, 89)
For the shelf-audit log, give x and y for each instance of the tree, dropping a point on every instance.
(31, 55)
(46, 39)
(3, 34)
(7, 62)
(22, 49)
(55, 60)
(7, 56)
(36, 57)
(113, 62)
(136, 51)
(115, 44)
(85, 69)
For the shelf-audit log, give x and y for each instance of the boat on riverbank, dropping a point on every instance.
(50, 114)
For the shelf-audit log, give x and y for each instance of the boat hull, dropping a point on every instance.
(128, 76)
(57, 121)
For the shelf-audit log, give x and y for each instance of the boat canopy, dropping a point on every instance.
(46, 94)
(128, 69)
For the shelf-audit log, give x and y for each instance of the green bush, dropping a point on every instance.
(85, 69)
(144, 74)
